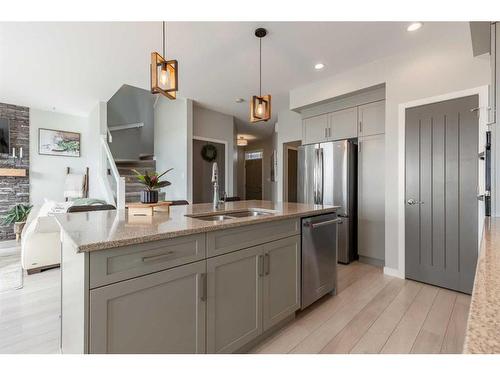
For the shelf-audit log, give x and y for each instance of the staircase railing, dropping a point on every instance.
(115, 184)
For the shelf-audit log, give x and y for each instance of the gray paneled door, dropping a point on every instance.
(441, 193)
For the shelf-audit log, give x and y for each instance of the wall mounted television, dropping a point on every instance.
(4, 136)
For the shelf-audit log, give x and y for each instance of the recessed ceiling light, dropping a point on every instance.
(319, 66)
(414, 26)
(240, 100)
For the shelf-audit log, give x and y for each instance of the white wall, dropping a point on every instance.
(442, 68)
(288, 129)
(47, 173)
(216, 125)
(173, 121)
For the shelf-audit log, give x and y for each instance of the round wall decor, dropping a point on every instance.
(209, 152)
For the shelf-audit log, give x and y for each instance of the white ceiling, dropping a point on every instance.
(71, 66)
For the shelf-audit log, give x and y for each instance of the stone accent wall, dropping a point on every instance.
(14, 190)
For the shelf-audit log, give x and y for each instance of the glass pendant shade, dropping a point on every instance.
(260, 108)
(164, 76)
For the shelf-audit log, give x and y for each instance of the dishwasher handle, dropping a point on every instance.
(323, 223)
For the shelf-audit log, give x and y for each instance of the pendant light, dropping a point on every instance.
(164, 73)
(260, 105)
(241, 141)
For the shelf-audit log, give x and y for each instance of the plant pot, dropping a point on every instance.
(149, 196)
(18, 228)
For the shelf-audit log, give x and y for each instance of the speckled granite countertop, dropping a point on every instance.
(99, 230)
(483, 326)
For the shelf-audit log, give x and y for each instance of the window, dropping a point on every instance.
(253, 155)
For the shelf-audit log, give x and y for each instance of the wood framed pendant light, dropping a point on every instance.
(164, 73)
(260, 105)
(241, 141)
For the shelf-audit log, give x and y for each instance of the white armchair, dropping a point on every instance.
(40, 241)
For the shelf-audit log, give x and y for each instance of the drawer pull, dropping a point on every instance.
(154, 258)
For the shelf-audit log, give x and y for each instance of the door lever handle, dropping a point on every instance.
(412, 202)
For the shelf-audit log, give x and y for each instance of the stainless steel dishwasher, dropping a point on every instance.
(319, 257)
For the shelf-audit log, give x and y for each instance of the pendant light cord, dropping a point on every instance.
(163, 38)
(260, 66)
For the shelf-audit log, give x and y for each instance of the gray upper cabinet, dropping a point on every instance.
(315, 129)
(281, 287)
(234, 305)
(360, 121)
(159, 313)
(344, 124)
(371, 197)
(371, 119)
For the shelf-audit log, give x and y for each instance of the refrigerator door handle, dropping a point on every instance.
(314, 176)
(320, 174)
(315, 183)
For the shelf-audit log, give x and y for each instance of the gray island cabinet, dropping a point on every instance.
(175, 283)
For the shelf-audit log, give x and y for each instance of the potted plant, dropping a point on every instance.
(17, 215)
(152, 183)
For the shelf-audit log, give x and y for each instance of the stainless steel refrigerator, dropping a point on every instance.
(327, 175)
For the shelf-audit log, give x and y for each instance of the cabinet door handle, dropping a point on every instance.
(203, 287)
(261, 265)
(326, 132)
(154, 258)
(361, 126)
(267, 264)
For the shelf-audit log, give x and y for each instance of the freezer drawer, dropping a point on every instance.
(319, 257)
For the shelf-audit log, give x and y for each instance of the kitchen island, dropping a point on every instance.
(483, 326)
(194, 280)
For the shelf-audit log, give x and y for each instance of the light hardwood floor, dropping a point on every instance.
(29, 317)
(374, 313)
(371, 313)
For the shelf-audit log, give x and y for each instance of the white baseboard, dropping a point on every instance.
(393, 272)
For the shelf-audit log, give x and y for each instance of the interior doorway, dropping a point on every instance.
(202, 169)
(290, 172)
(441, 212)
(253, 175)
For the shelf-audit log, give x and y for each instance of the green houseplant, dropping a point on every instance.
(152, 183)
(17, 215)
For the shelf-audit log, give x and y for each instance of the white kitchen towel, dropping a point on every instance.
(73, 186)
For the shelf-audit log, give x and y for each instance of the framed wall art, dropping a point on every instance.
(58, 143)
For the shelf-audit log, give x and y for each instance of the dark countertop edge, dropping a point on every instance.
(97, 246)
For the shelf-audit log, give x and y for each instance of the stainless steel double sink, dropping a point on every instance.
(232, 215)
